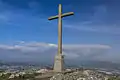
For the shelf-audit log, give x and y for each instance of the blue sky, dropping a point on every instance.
(94, 22)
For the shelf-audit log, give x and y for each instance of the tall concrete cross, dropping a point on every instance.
(58, 65)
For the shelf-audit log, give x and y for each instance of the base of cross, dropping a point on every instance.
(50, 74)
(59, 63)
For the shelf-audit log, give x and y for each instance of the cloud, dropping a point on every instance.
(85, 51)
(102, 18)
(113, 29)
(11, 14)
(36, 51)
(3, 17)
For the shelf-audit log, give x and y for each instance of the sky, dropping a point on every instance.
(92, 33)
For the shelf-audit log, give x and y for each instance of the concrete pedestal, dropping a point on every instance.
(59, 63)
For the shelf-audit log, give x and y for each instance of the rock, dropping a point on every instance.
(76, 76)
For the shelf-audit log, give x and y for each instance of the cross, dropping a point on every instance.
(60, 16)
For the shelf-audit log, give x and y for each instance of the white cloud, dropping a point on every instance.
(28, 47)
(71, 55)
(45, 51)
(77, 46)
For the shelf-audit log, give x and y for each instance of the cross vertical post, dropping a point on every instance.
(60, 30)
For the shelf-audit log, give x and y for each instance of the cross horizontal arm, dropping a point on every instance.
(63, 15)
(67, 14)
(53, 17)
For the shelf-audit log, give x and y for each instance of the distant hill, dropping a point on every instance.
(22, 63)
(95, 64)
(1, 63)
(73, 63)
(102, 64)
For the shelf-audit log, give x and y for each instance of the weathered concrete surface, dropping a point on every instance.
(58, 64)
(59, 60)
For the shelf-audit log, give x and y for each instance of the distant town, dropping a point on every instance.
(37, 72)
